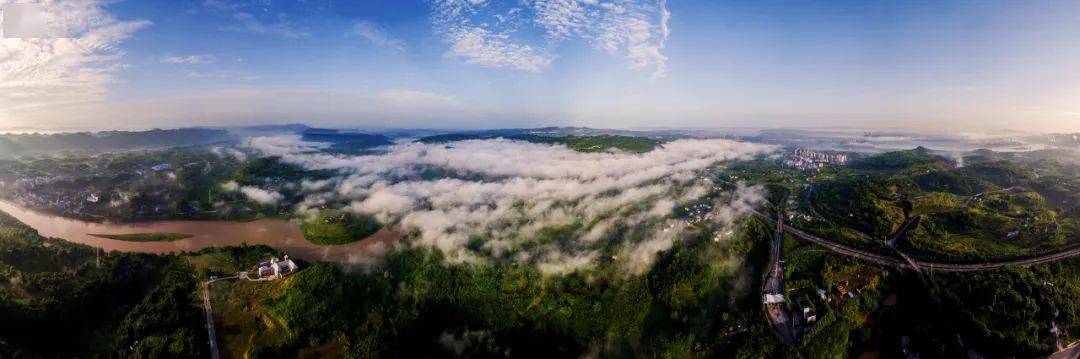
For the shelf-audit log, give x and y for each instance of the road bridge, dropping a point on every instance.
(774, 285)
(940, 266)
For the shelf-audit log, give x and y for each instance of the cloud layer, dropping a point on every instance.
(501, 200)
(189, 59)
(376, 34)
(74, 67)
(525, 35)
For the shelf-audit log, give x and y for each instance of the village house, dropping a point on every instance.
(274, 268)
(809, 315)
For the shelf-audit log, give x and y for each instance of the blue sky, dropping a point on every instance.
(603, 63)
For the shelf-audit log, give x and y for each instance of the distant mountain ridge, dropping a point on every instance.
(580, 143)
(21, 144)
(345, 142)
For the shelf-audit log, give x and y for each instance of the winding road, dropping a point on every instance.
(1070, 352)
(774, 284)
(779, 317)
(893, 262)
(891, 242)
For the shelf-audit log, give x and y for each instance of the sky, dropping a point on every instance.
(922, 65)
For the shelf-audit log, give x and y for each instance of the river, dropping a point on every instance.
(280, 234)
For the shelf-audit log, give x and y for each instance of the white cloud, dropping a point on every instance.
(384, 203)
(229, 152)
(279, 25)
(485, 34)
(261, 196)
(230, 75)
(220, 5)
(255, 17)
(506, 192)
(230, 186)
(376, 34)
(189, 59)
(478, 44)
(76, 67)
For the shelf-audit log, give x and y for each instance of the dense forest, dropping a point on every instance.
(999, 206)
(917, 158)
(416, 305)
(864, 203)
(146, 306)
(59, 299)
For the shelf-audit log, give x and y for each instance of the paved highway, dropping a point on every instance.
(1070, 352)
(774, 284)
(891, 243)
(210, 321)
(893, 262)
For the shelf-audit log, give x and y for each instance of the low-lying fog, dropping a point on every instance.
(494, 200)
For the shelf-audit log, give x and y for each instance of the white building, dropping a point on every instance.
(277, 268)
(809, 315)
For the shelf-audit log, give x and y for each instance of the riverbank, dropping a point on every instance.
(279, 234)
(145, 237)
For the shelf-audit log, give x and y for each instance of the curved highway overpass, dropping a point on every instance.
(894, 262)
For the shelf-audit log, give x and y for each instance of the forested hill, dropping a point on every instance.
(598, 143)
(19, 144)
(348, 142)
(63, 300)
(900, 160)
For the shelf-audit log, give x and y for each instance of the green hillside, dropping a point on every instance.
(598, 143)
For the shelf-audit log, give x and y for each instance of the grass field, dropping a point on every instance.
(145, 237)
(251, 322)
(241, 319)
(339, 227)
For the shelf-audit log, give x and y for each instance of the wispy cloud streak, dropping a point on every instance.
(498, 35)
(75, 67)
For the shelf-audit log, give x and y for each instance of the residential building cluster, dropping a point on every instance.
(43, 194)
(807, 160)
(96, 192)
(699, 213)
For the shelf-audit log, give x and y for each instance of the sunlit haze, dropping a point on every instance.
(916, 65)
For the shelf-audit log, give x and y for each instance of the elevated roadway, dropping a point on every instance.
(940, 266)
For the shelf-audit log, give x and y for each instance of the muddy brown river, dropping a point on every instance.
(282, 235)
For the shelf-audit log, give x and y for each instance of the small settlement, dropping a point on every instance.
(271, 269)
(814, 161)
